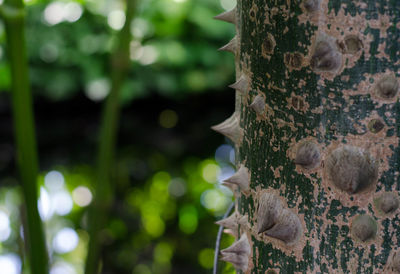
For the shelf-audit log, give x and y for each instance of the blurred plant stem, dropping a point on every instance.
(12, 12)
(98, 213)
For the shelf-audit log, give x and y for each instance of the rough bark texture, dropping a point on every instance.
(319, 135)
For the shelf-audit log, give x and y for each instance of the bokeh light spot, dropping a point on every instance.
(196, 80)
(12, 198)
(211, 172)
(153, 225)
(44, 205)
(49, 52)
(135, 50)
(228, 4)
(163, 253)
(149, 207)
(145, 55)
(54, 180)
(116, 19)
(222, 153)
(149, 55)
(162, 176)
(62, 268)
(65, 240)
(91, 43)
(98, 89)
(62, 203)
(82, 196)
(53, 13)
(5, 229)
(141, 269)
(206, 258)
(168, 118)
(226, 172)
(57, 12)
(21, 232)
(232, 156)
(72, 12)
(141, 27)
(10, 264)
(177, 187)
(175, 53)
(214, 199)
(188, 219)
(159, 187)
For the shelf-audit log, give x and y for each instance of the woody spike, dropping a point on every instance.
(242, 84)
(240, 178)
(230, 128)
(230, 186)
(240, 246)
(239, 261)
(287, 228)
(269, 209)
(258, 104)
(230, 222)
(238, 253)
(231, 46)
(227, 16)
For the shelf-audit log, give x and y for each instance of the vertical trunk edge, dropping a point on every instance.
(316, 130)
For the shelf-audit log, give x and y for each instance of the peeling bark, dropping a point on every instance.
(319, 120)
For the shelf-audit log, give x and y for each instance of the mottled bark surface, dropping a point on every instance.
(326, 142)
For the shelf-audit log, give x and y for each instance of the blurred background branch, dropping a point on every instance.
(168, 165)
(12, 12)
(103, 189)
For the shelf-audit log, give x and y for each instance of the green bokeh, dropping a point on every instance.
(161, 222)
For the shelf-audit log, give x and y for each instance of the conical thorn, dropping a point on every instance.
(230, 128)
(227, 16)
(238, 253)
(241, 178)
(231, 46)
(230, 232)
(240, 246)
(242, 220)
(258, 104)
(242, 84)
(232, 187)
(229, 222)
(269, 209)
(287, 229)
(239, 261)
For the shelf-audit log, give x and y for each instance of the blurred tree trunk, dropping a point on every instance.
(104, 191)
(316, 130)
(13, 13)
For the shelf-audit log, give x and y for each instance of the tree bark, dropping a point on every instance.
(316, 130)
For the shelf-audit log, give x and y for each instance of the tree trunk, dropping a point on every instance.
(316, 130)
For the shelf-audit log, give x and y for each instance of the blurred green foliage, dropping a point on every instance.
(161, 220)
(172, 51)
(162, 226)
